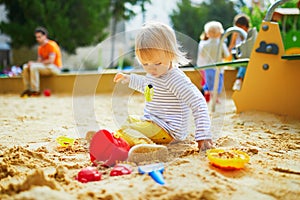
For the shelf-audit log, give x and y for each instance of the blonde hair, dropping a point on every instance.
(213, 28)
(156, 36)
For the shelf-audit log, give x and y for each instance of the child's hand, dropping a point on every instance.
(121, 77)
(205, 144)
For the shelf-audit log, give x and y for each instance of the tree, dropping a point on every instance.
(255, 14)
(222, 11)
(190, 18)
(121, 11)
(71, 23)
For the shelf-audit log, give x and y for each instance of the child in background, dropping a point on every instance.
(172, 94)
(207, 54)
(241, 21)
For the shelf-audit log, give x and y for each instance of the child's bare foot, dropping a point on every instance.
(89, 135)
(148, 152)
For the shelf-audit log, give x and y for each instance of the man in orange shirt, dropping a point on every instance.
(48, 63)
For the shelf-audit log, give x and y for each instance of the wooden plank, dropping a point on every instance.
(235, 63)
(287, 11)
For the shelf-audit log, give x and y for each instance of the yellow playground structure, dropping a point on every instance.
(272, 80)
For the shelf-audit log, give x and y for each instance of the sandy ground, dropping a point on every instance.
(34, 167)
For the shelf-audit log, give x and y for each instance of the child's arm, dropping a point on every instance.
(232, 41)
(136, 82)
(185, 90)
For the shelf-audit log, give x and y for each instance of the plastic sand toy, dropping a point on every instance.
(148, 93)
(227, 159)
(120, 169)
(108, 148)
(88, 174)
(47, 92)
(65, 141)
(155, 171)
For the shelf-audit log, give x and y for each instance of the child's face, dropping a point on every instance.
(214, 34)
(158, 64)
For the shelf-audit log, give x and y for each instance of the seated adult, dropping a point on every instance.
(48, 63)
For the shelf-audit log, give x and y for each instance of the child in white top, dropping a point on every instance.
(173, 94)
(207, 54)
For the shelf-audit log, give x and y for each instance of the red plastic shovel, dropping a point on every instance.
(107, 148)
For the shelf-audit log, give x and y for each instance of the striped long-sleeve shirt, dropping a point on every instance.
(174, 94)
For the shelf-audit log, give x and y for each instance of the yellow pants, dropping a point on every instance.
(136, 131)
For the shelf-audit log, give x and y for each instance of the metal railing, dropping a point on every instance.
(272, 8)
(219, 55)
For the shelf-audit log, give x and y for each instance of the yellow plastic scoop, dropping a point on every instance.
(65, 141)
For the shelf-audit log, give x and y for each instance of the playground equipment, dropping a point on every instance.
(271, 83)
(291, 36)
(217, 74)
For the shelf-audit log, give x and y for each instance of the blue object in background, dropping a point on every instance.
(210, 80)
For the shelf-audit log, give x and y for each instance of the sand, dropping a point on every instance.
(33, 166)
